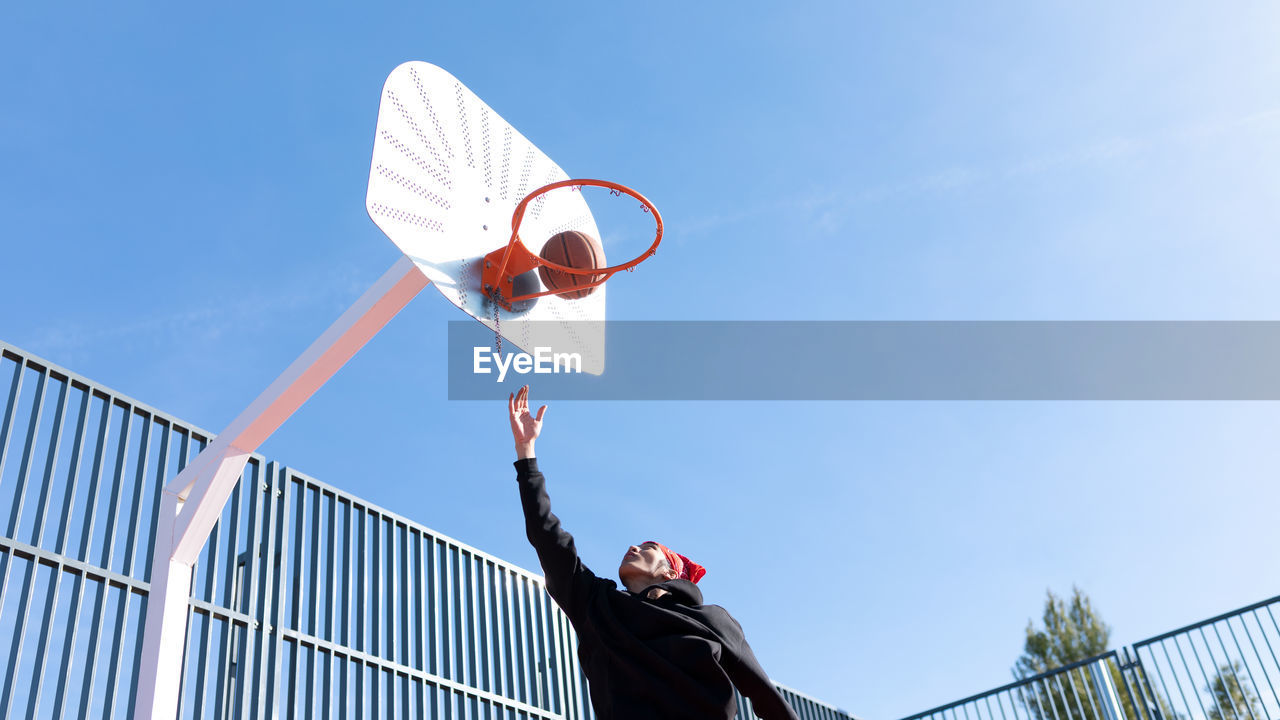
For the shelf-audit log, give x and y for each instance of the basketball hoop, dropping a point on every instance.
(503, 265)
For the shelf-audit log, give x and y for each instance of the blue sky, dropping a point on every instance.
(182, 207)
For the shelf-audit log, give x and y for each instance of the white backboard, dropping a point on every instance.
(447, 173)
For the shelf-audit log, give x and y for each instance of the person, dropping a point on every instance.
(652, 650)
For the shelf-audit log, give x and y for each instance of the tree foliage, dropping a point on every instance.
(1231, 699)
(1073, 631)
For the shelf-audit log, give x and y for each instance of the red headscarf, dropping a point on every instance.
(685, 568)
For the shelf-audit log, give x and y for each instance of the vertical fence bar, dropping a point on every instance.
(161, 474)
(15, 513)
(406, 652)
(422, 662)
(225, 644)
(139, 486)
(24, 467)
(388, 527)
(50, 462)
(15, 647)
(296, 570)
(1226, 651)
(533, 673)
(56, 578)
(331, 594)
(63, 538)
(484, 645)
(11, 409)
(522, 685)
(348, 519)
(108, 539)
(313, 598)
(375, 591)
(262, 589)
(469, 610)
(117, 485)
(1261, 662)
(95, 480)
(51, 599)
(1084, 698)
(433, 603)
(361, 593)
(1217, 669)
(255, 493)
(448, 632)
(281, 695)
(1176, 680)
(161, 477)
(73, 472)
(541, 647)
(497, 628)
(331, 567)
(122, 614)
(68, 646)
(473, 646)
(514, 675)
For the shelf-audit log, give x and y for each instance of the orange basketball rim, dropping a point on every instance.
(502, 265)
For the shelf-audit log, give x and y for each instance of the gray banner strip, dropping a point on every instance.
(918, 360)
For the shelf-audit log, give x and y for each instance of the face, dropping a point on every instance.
(645, 563)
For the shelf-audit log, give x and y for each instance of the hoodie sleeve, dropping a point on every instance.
(565, 574)
(750, 679)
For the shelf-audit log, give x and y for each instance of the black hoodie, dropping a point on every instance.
(669, 658)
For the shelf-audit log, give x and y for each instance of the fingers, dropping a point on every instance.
(518, 404)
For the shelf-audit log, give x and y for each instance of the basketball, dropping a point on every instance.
(576, 250)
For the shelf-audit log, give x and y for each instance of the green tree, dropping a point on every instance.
(1231, 700)
(1073, 631)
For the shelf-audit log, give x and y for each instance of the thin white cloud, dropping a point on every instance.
(199, 324)
(826, 209)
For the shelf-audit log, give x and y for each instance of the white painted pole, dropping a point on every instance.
(193, 501)
(166, 622)
(1108, 700)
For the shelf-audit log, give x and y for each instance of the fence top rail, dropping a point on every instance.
(812, 699)
(26, 359)
(1209, 621)
(1016, 683)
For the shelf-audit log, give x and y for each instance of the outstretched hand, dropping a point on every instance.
(524, 426)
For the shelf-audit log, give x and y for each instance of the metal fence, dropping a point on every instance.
(1223, 668)
(306, 601)
(1095, 689)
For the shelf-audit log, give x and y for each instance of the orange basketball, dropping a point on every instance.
(576, 250)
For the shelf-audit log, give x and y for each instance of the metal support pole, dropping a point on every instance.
(160, 673)
(1108, 700)
(192, 503)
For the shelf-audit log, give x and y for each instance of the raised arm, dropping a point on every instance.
(564, 572)
(745, 672)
